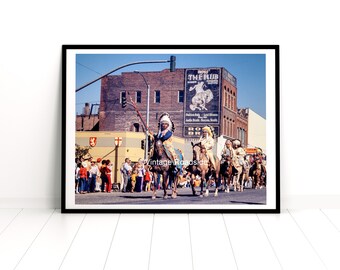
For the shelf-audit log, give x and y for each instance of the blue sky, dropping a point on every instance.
(249, 69)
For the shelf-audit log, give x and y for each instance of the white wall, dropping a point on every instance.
(256, 131)
(32, 33)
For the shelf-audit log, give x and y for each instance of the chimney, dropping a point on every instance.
(86, 110)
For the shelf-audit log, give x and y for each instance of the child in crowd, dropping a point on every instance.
(147, 179)
(133, 180)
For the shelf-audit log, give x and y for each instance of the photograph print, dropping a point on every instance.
(171, 128)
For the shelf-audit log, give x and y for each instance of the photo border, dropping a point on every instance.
(66, 48)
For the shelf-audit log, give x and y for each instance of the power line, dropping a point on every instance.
(89, 68)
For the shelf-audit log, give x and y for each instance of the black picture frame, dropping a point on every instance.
(100, 202)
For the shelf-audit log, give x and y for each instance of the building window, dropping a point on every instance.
(180, 96)
(232, 129)
(122, 95)
(228, 102)
(157, 96)
(244, 138)
(139, 97)
(136, 127)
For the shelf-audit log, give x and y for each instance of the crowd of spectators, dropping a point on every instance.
(96, 176)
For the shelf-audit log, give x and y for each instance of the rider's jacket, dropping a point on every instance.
(225, 152)
(207, 142)
(164, 137)
(238, 157)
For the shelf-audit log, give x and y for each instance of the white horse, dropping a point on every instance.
(201, 98)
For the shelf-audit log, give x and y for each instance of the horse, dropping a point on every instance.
(226, 172)
(237, 174)
(162, 164)
(246, 172)
(201, 98)
(258, 174)
(192, 170)
(203, 168)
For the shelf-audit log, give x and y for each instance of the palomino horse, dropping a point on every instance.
(202, 167)
(162, 164)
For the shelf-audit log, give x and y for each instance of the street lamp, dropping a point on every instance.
(147, 116)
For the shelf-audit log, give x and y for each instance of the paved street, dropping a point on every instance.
(249, 196)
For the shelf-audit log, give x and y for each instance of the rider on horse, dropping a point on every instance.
(226, 151)
(165, 132)
(207, 143)
(238, 154)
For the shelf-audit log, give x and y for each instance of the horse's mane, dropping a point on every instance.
(195, 152)
(155, 156)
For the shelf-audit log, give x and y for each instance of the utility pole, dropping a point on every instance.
(172, 69)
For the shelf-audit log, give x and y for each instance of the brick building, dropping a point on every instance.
(165, 89)
(192, 97)
(242, 126)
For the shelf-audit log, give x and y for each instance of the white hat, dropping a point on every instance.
(236, 142)
(165, 119)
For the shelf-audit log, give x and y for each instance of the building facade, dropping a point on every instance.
(193, 98)
(256, 130)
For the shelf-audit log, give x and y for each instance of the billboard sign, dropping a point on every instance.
(202, 96)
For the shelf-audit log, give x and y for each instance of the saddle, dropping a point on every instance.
(179, 155)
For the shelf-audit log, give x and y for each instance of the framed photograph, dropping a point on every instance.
(171, 128)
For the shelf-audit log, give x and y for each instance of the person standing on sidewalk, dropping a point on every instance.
(103, 175)
(108, 173)
(82, 179)
(127, 169)
(94, 171)
(140, 175)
